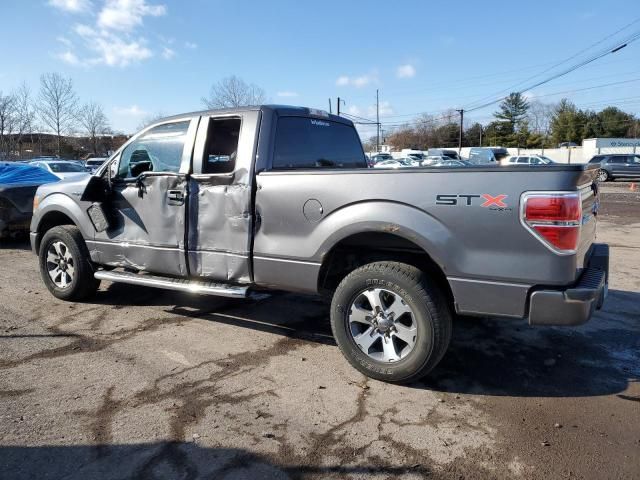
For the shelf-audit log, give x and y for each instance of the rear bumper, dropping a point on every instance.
(576, 304)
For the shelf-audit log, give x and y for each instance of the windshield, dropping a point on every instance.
(65, 167)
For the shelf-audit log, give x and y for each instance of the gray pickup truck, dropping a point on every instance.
(232, 202)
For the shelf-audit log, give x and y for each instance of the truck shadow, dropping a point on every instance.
(171, 460)
(508, 358)
(487, 356)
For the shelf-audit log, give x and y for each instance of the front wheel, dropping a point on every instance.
(65, 265)
(391, 321)
(603, 175)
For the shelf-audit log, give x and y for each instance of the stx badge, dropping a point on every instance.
(493, 202)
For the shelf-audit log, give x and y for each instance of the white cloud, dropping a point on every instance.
(191, 45)
(357, 82)
(112, 50)
(384, 109)
(72, 6)
(69, 57)
(287, 94)
(406, 71)
(354, 110)
(132, 111)
(125, 15)
(167, 53)
(116, 39)
(65, 41)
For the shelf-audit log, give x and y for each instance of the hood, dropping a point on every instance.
(67, 186)
(71, 175)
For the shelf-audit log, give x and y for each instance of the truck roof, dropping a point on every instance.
(270, 108)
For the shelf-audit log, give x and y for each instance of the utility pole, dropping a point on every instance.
(330, 105)
(461, 112)
(338, 106)
(480, 135)
(377, 121)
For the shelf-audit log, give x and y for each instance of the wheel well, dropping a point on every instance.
(50, 220)
(362, 248)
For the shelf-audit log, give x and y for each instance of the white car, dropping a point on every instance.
(396, 163)
(94, 163)
(63, 169)
(530, 160)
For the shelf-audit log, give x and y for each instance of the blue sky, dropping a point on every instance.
(141, 57)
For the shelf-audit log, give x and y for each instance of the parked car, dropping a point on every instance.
(530, 160)
(395, 163)
(92, 164)
(444, 153)
(397, 250)
(416, 157)
(448, 162)
(487, 155)
(18, 185)
(433, 159)
(617, 165)
(63, 169)
(381, 157)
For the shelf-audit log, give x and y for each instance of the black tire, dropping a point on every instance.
(603, 176)
(429, 308)
(82, 284)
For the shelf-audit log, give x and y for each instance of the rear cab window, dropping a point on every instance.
(308, 143)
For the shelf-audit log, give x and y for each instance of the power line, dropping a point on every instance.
(608, 51)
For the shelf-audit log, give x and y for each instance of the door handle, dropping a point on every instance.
(176, 197)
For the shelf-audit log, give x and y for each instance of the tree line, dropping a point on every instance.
(518, 122)
(55, 108)
(75, 128)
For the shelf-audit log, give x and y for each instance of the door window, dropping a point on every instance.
(523, 159)
(157, 150)
(222, 145)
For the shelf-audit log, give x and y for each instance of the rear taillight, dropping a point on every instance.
(554, 218)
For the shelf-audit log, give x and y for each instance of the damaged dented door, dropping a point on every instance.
(220, 206)
(147, 205)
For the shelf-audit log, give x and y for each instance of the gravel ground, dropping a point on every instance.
(144, 383)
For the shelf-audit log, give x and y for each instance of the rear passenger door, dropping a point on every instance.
(220, 219)
(617, 163)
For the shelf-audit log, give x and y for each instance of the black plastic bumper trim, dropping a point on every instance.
(576, 304)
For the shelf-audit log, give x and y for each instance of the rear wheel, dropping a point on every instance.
(391, 321)
(603, 175)
(65, 265)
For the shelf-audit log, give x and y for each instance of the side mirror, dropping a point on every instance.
(97, 189)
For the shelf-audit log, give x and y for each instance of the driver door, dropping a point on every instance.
(147, 204)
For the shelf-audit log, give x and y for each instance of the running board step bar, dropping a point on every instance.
(181, 285)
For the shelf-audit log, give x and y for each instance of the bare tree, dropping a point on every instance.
(234, 92)
(57, 104)
(149, 119)
(95, 123)
(7, 113)
(539, 116)
(25, 114)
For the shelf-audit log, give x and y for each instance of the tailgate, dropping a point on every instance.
(590, 203)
